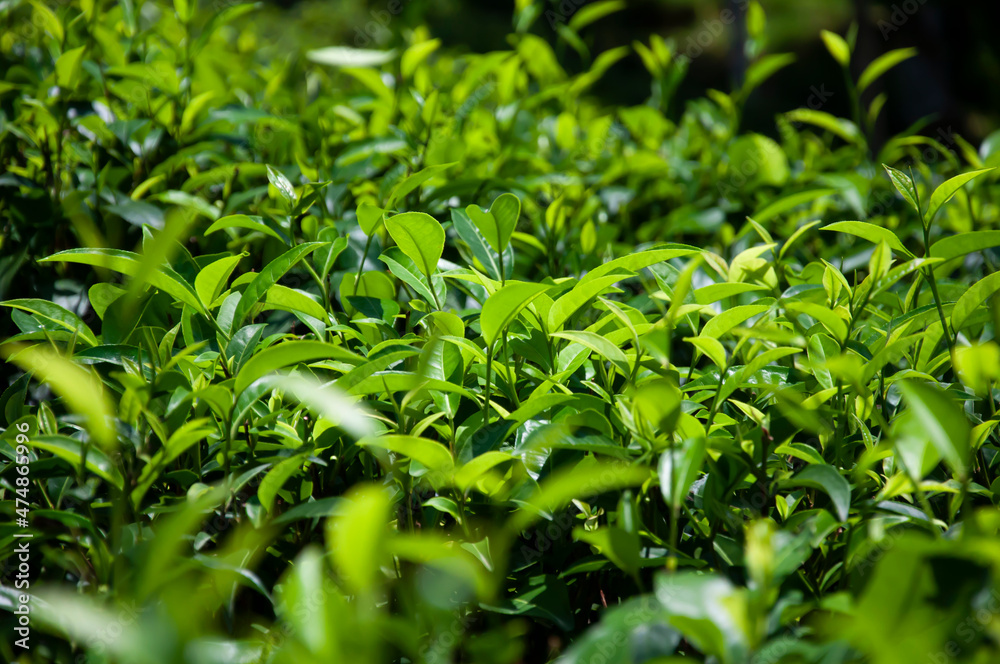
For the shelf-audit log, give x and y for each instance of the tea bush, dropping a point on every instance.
(409, 355)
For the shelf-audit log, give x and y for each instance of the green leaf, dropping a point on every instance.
(871, 232)
(708, 611)
(837, 47)
(836, 325)
(189, 434)
(291, 299)
(584, 291)
(639, 625)
(419, 236)
(658, 402)
(81, 389)
(972, 298)
(594, 11)
(881, 65)
(577, 482)
(358, 537)
(71, 450)
(131, 264)
(904, 185)
(503, 306)
(369, 217)
(243, 344)
(415, 55)
(56, 314)
(498, 223)
(828, 480)
(313, 509)
(730, 318)
(948, 189)
(284, 186)
(763, 69)
(638, 260)
(942, 421)
(286, 354)
(212, 278)
(481, 249)
(822, 348)
(325, 257)
(406, 270)
(716, 292)
(597, 344)
(267, 492)
(802, 230)
(614, 543)
(839, 127)
(414, 181)
(711, 347)
(678, 469)
(69, 65)
(268, 277)
(429, 453)
(329, 401)
(249, 223)
(470, 473)
(961, 244)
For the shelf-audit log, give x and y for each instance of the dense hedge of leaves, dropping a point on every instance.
(414, 356)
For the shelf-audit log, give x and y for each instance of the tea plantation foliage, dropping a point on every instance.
(416, 356)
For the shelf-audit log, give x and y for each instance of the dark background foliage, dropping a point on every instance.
(955, 78)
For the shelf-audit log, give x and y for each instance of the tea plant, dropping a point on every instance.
(413, 356)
